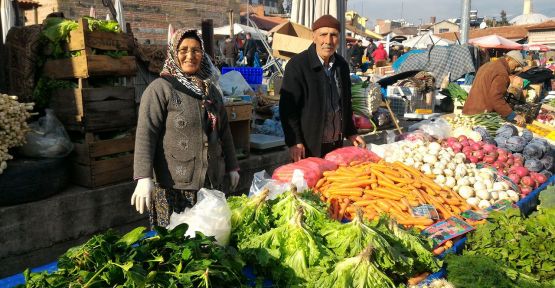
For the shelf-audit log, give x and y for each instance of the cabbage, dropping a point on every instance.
(532, 151)
(527, 134)
(543, 144)
(516, 143)
(500, 141)
(547, 174)
(506, 131)
(483, 132)
(534, 165)
(548, 163)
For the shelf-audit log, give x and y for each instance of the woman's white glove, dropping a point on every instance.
(234, 179)
(142, 194)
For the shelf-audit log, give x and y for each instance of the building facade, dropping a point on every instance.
(444, 27)
(149, 19)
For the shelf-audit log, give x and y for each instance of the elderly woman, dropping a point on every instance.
(183, 140)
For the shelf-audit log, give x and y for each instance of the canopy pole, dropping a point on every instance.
(465, 21)
(341, 9)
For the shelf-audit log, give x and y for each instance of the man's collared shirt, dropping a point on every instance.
(332, 120)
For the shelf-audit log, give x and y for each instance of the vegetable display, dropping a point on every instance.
(456, 92)
(524, 244)
(392, 188)
(13, 126)
(490, 121)
(168, 259)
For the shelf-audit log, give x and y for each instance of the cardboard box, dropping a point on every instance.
(290, 39)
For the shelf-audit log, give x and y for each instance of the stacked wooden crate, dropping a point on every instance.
(100, 119)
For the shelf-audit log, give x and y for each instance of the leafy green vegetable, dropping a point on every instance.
(547, 200)
(350, 239)
(57, 30)
(415, 247)
(526, 245)
(168, 259)
(478, 271)
(45, 87)
(249, 216)
(358, 271)
(103, 25)
(292, 252)
(456, 92)
(285, 206)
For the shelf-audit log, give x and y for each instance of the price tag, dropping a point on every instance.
(445, 230)
(425, 210)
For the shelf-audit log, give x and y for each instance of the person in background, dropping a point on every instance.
(380, 56)
(249, 48)
(315, 104)
(490, 85)
(349, 56)
(230, 51)
(183, 142)
(369, 50)
(356, 56)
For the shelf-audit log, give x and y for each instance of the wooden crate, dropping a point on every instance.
(239, 117)
(95, 109)
(88, 64)
(85, 66)
(97, 163)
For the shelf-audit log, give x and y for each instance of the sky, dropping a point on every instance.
(414, 10)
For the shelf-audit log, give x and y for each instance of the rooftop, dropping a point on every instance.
(542, 26)
(515, 32)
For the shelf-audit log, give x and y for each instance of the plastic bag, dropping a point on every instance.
(210, 215)
(344, 156)
(233, 83)
(312, 170)
(437, 128)
(47, 138)
(262, 180)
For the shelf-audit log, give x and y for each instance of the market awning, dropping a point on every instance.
(304, 12)
(423, 41)
(536, 47)
(495, 41)
(238, 29)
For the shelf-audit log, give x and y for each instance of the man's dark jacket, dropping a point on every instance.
(302, 104)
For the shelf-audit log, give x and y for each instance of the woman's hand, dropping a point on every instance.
(357, 141)
(142, 194)
(234, 179)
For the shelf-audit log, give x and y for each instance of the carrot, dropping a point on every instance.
(379, 194)
(418, 278)
(399, 216)
(448, 244)
(393, 187)
(363, 203)
(380, 175)
(406, 203)
(320, 182)
(390, 192)
(383, 205)
(346, 192)
(456, 210)
(416, 221)
(359, 183)
(439, 250)
(355, 198)
(342, 208)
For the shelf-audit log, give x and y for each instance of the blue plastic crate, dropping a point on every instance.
(529, 203)
(253, 75)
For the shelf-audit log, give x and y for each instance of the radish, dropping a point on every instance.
(467, 149)
(525, 190)
(538, 177)
(452, 140)
(476, 147)
(461, 138)
(510, 162)
(514, 177)
(502, 157)
(472, 158)
(521, 171)
(489, 148)
(527, 181)
(464, 143)
(498, 165)
(478, 154)
(489, 159)
(456, 146)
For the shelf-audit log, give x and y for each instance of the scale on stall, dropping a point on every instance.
(417, 106)
(265, 142)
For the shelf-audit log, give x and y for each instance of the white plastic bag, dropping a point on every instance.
(232, 83)
(262, 180)
(47, 138)
(210, 215)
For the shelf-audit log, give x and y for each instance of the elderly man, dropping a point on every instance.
(315, 105)
(490, 85)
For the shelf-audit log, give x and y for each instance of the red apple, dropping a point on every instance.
(473, 159)
(514, 177)
(527, 181)
(489, 159)
(461, 138)
(476, 147)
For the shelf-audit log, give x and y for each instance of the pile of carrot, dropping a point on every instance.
(391, 188)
